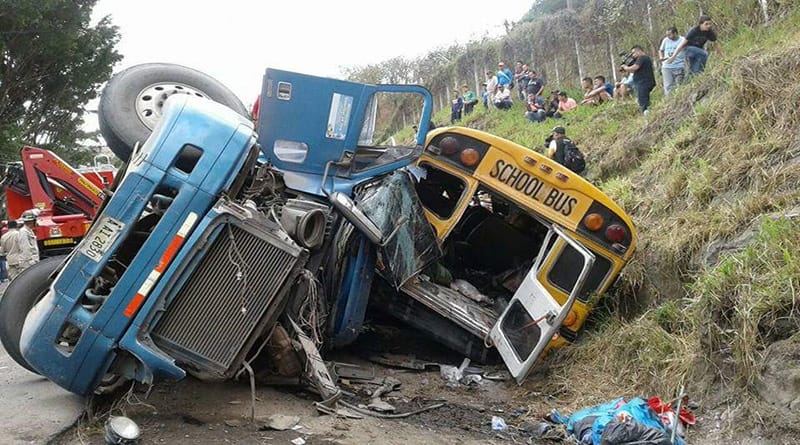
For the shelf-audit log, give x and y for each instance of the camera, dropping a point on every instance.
(627, 58)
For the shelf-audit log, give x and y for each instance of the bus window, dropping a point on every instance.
(439, 191)
(563, 274)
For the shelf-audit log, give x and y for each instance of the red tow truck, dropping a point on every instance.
(66, 199)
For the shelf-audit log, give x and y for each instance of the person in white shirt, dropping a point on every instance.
(502, 99)
(673, 72)
(8, 249)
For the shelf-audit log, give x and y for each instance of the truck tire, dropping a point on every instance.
(20, 296)
(132, 101)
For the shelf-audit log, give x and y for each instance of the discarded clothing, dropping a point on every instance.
(637, 418)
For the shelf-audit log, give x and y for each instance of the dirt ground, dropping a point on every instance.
(197, 412)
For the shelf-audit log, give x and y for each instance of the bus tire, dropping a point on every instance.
(132, 101)
(20, 296)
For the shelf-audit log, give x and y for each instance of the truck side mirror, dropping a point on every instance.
(355, 216)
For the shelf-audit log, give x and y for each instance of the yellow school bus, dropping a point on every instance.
(530, 236)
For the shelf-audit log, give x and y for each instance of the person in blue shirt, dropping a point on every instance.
(504, 75)
(456, 106)
(675, 71)
(607, 85)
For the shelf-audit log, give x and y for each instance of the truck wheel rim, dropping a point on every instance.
(150, 101)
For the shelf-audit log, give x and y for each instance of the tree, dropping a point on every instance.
(52, 62)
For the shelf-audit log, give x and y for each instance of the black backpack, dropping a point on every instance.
(573, 158)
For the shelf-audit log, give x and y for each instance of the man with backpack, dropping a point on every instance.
(561, 149)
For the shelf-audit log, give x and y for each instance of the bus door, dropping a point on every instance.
(533, 316)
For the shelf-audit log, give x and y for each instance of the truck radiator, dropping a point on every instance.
(237, 290)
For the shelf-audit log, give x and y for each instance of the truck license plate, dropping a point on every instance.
(102, 236)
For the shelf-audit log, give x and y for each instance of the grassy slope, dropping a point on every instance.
(702, 168)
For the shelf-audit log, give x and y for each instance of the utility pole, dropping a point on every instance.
(578, 56)
(611, 54)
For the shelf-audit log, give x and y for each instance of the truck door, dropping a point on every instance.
(305, 122)
(533, 316)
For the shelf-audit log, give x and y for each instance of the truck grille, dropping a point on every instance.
(236, 291)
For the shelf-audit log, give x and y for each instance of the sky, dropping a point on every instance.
(234, 41)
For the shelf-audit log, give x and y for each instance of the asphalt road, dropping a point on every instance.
(32, 409)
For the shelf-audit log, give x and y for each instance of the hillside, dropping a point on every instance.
(711, 179)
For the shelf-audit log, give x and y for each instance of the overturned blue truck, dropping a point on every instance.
(220, 243)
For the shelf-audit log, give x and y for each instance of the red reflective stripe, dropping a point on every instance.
(163, 262)
(133, 306)
(169, 253)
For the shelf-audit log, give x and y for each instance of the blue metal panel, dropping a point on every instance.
(351, 304)
(225, 139)
(307, 109)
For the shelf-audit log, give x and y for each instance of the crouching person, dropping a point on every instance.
(534, 111)
(562, 150)
(502, 100)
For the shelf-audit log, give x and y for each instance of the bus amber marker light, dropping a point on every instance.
(615, 233)
(571, 318)
(449, 145)
(593, 222)
(470, 157)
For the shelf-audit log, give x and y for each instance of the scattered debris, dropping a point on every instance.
(388, 385)
(233, 423)
(316, 371)
(466, 289)
(338, 412)
(501, 376)
(463, 375)
(120, 430)
(381, 406)
(618, 422)
(498, 423)
(451, 375)
(403, 361)
(351, 371)
(280, 422)
(299, 441)
(535, 429)
(367, 412)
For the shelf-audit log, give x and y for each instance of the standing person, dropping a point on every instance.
(455, 107)
(674, 72)
(491, 87)
(695, 42)
(643, 78)
(469, 99)
(522, 77)
(504, 75)
(6, 242)
(26, 240)
(11, 246)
